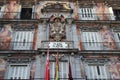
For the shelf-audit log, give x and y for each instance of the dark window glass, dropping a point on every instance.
(117, 14)
(26, 13)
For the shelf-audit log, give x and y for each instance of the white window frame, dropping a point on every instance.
(87, 14)
(92, 72)
(22, 40)
(62, 70)
(16, 75)
(91, 40)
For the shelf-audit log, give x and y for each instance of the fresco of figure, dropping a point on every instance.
(102, 11)
(32, 71)
(2, 68)
(38, 8)
(114, 72)
(11, 10)
(5, 37)
(114, 68)
(108, 38)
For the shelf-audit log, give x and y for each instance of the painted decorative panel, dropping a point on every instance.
(102, 11)
(11, 10)
(5, 37)
(2, 68)
(108, 39)
(16, 71)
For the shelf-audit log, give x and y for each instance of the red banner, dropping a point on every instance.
(47, 72)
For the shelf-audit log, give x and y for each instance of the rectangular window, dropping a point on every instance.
(86, 14)
(77, 68)
(117, 13)
(22, 40)
(18, 72)
(96, 71)
(63, 70)
(26, 13)
(91, 40)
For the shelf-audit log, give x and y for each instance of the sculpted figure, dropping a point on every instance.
(57, 28)
(11, 10)
(102, 11)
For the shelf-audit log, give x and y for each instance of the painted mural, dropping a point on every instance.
(35, 38)
(5, 37)
(108, 38)
(2, 68)
(102, 11)
(38, 10)
(114, 68)
(79, 38)
(11, 10)
(32, 71)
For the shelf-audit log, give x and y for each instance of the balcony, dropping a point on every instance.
(60, 45)
(17, 15)
(56, 45)
(50, 79)
(97, 16)
(81, 16)
(100, 45)
(16, 46)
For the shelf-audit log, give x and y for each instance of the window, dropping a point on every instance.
(16, 71)
(26, 13)
(117, 14)
(22, 40)
(77, 68)
(91, 40)
(63, 70)
(96, 71)
(86, 14)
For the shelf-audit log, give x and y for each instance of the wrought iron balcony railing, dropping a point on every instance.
(50, 79)
(17, 15)
(62, 79)
(60, 45)
(97, 16)
(100, 45)
(55, 45)
(16, 46)
(81, 16)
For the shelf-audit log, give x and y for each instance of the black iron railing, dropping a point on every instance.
(16, 45)
(50, 79)
(100, 45)
(17, 15)
(84, 46)
(81, 16)
(63, 79)
(96, 16)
